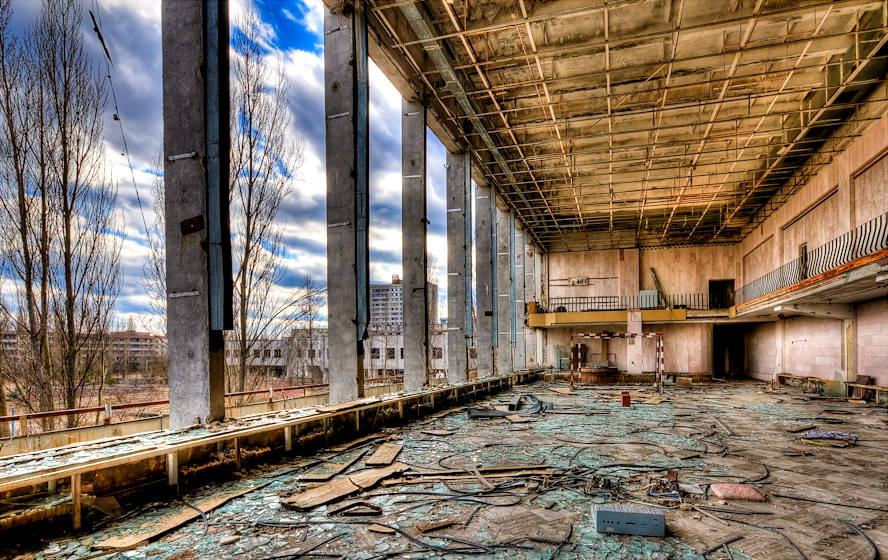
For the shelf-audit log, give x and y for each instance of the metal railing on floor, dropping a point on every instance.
(865, 239)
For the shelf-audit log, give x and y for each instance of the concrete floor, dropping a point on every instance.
(710, 433)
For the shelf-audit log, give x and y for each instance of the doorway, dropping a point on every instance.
(721, 294)
(728, 351)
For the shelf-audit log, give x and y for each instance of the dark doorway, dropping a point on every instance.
(721, 294)
(728, 351)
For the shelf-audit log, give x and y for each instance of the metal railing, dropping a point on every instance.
(268, 395)
(865, 239)
(696, 301)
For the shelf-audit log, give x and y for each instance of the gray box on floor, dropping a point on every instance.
(628, 520)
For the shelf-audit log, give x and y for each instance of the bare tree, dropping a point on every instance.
(263, 158)
(27, 216)
(58, 207)
(154, 267)
(86, 281)
(312, 299)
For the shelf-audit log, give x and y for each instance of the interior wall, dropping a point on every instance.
(761, 351)
(813, 215)
(812, 347)
(717, 262)
(687, 346)
(872, 340)
(616, 272)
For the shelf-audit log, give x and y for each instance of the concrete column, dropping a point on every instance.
(414, 226)
(519, 360)
(459, 253)
(345, 105)
(529, 295)
(483, 281)
(196, 352)
(634, 346)
(504, 292)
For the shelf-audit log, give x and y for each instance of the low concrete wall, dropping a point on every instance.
(58, 438)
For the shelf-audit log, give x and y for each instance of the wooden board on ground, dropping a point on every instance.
(515, 419)
(334, 468)
(341, 487)
(384, 455)
(437, 432)
(653, 400)
(345, 446)
(173, 521)
(562, 390)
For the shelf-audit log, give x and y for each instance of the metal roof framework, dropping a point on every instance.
(639, 123)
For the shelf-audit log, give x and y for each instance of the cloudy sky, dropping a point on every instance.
(293, 33)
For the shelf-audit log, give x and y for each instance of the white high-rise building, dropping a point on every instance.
(387, 305)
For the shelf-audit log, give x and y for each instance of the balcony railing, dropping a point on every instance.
(619, 303)
(861, 241)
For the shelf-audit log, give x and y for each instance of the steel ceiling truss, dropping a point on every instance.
(645, 122)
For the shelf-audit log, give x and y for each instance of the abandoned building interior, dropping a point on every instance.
(667, 300)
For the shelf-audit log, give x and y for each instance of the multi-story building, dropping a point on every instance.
(131, 350)
(387, 304)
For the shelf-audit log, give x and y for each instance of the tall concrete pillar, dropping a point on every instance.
(484, 281)
(196, 145)
(414, 226)
(518, 354)
(634, 346)
(504, 292)
(345, 105)
(529, 255)
(459, 264)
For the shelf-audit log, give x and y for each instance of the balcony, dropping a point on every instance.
(863, 245)
(696, 301)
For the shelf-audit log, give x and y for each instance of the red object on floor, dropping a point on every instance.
(625, 398)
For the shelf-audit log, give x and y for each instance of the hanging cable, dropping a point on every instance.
(96, 17)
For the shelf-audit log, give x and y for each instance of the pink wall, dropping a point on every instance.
(607, 275)
(674, 264)
(761, 351)
(813, 347)
(688, 346)
(872, 340)
(858, 175)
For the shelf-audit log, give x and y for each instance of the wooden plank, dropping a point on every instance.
(371, 477)
(173, 521)
(384, 455)
(437, 432)
(76, 499)
(341, 487)
(335, 468)
(345, 446)
(562, 390)
(515, 419)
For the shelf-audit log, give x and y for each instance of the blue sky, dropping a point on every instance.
(293, 36)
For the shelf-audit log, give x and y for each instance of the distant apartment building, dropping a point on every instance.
(387, 304)
(267, 357)
(127, 351)
(132, 351)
